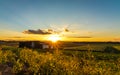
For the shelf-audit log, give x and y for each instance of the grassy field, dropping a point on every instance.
(72, 61)
(97, 47)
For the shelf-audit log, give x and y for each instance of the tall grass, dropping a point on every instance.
(28, 61)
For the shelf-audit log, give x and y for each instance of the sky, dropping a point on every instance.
(86, 20)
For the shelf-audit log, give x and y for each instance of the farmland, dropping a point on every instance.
(71, 59)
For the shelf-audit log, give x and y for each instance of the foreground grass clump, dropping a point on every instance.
(27, 61)
(45, 63)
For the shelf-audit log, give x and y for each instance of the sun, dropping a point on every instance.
(54, 38)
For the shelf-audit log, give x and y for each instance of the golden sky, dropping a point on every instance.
(73, 20)
(65, 36)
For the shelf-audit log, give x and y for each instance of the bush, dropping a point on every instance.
(111, 49)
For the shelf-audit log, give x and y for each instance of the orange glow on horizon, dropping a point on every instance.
(54, 38)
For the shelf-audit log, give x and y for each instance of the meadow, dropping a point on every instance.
(66, 61)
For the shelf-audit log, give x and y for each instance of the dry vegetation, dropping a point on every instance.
(28, 61)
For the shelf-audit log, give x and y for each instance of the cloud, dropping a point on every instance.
(66, 30)
(79, 37)
(83, 37)
(46, 31)
(16, 37)
(117, 39)
(39, 31)
(63, 32)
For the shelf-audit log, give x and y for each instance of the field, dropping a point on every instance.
(71, 59)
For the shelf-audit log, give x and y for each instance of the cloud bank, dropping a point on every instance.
(39, 31)
(64, 32)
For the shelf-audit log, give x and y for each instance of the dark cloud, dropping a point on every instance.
(39, 31)
(65, 30)
(47, 31)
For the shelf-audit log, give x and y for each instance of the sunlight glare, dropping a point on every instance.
(54, 38)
